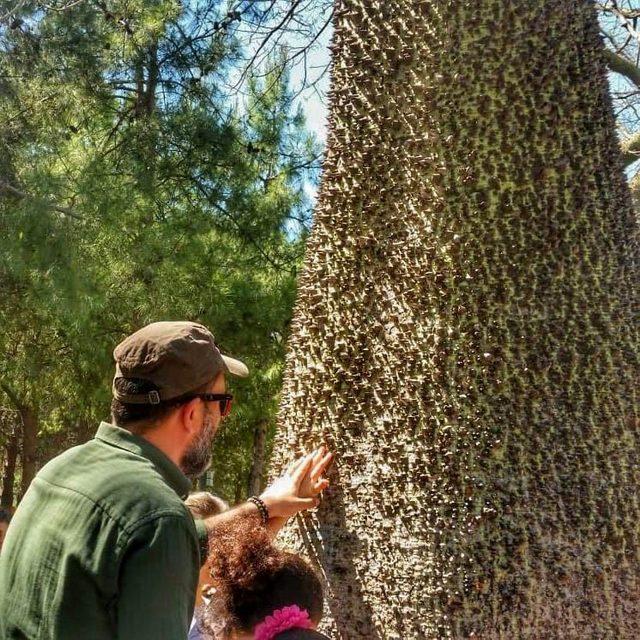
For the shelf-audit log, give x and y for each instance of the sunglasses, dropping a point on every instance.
(225, 400)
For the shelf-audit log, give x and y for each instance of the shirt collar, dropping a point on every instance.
(123, 439)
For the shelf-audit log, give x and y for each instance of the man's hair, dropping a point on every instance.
(203, 504)
(5, 516)
(139, 418)
(252, 578)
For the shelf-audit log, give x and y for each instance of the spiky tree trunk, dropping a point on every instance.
(466, 334)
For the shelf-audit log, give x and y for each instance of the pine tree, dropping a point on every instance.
(466, 330)
(132, 189)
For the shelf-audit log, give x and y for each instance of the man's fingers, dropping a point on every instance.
(318, 454)
(307, 503)
(302, 470)
(292, 468)
(296, 464)
(318, 487)
(321, 466)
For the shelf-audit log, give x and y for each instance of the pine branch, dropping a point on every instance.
(630, 149)
(12, 395)
(623, 66)
(21, 194)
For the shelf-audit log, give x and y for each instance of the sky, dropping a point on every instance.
(314, 99)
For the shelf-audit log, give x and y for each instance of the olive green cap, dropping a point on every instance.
(176, 357)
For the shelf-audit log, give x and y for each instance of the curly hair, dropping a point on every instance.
(251, 578)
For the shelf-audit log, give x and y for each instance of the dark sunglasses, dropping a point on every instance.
(225, 400)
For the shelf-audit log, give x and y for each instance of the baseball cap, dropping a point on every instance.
(176, 357)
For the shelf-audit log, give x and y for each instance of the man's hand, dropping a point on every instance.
(300, 487)
(297, 490)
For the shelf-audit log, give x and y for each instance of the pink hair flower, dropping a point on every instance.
(280, 620)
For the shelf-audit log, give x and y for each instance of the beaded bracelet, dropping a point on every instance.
(262, 508)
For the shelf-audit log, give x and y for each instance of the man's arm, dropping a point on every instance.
(157, 582)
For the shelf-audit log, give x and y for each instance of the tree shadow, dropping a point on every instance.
(333, 547)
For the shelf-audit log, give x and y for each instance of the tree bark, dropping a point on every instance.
(465, 335)
(256, 473)
(140, 87)
(239, 490)
(9, 470)
(152, 80)
(29, 446)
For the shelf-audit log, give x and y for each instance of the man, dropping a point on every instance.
(102, 545)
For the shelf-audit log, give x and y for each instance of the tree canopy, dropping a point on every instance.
(135, 187)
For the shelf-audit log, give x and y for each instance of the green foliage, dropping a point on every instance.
(133, 188)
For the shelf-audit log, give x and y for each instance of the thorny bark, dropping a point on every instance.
(465, 335)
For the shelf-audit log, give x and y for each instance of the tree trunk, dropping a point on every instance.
(9, 469)
(239, 490)
(465, 335)
(29, 446)
(152, 80)
(140, 88)
(256, 473)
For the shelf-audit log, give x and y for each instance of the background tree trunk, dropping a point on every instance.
(466, 334)
(9, 469)
(256, 473)
(152, 80)
(29, 446)
(240, 488)
(140, 88)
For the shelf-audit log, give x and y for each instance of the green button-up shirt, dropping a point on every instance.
(102, 547)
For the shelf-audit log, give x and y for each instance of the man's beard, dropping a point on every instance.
(197, 458)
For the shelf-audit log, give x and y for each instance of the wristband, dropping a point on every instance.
(262, 508)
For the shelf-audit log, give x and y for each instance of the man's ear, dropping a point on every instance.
(189, 415)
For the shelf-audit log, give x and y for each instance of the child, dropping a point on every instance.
(202, 505)
(258, 591)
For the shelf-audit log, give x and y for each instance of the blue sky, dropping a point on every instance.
(314, 99)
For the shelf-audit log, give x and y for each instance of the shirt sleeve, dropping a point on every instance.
(158, 580)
